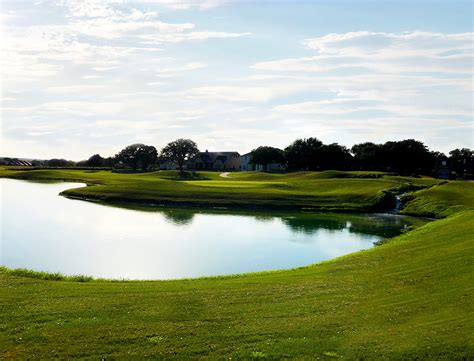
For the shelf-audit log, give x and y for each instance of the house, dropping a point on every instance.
(245, 162)
(276, 167)
(215, 161)
(169, 165)
(442, 168)
(15, 162)
(247, 165)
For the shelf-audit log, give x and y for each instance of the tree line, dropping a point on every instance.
(135, 157)
(406, 157)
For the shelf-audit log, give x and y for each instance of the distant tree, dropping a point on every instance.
(60, 163)
(109, 162)
(265, 155)
(38, 163)
(408, 156)
(179, 151)
(462, 162)
(138, 156)
(436, 160)
(304, 154)
(95, 161)
(335, 156)
(82, 163)
(367, 156)
(437, 155)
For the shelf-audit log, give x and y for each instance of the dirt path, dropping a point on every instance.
(225, 175)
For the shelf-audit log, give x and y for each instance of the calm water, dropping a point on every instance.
(46, 232)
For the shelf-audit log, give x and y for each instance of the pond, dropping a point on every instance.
(43, 231)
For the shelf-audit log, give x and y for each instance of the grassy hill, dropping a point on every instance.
(329, 190)
(410, 297)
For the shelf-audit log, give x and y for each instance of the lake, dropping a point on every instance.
(43, 231)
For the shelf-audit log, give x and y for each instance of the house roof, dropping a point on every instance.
(212, 156)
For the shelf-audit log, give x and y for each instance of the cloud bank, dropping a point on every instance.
(81, 77)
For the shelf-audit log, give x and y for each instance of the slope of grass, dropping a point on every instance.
(411, 297)
(441, 200)
(329, 190)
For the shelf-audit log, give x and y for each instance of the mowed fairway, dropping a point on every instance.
(330, 190)
(410, 297)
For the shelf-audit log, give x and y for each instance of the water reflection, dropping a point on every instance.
(43, 231)
(381, 225)
(179, 217)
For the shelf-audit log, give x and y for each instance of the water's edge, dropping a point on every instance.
(205, 208)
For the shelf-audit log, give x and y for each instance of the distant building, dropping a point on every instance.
(15, 162)
(215, 161)
(247, 165)
(442, 168)
(276, 167)
(169, 165)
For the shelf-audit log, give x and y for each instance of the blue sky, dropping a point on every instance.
(90, 76)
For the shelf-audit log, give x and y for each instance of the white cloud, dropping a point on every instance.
(185, 67)
(244, 93)
(389, 44)
(155, 83)
(188, 4)
(7, 99)
(97, 75)
(420, 52)
(89, 8)
(333, 106)
(69, 108)
(100, 33)
(74, 88)
(105, 68)
(101, 19)
(347, 106)
(103, 8)
(89, 77)
(399, 83)
(8, 15)
(231, 93)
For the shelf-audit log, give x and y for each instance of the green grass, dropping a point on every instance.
(441, 200)
(328, 191)
(22, 272)
(410, 297)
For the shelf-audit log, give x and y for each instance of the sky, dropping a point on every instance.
(80, 77)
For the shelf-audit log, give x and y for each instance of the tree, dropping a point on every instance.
(367, 156)
(95, 161)
(109, 162)
(408, 156)
(82, 163)
(60, 163)
(38, 163)
(462, 162)
(265, 155)
(138, 155)
(304, 154)
(180, 151)
(335, 156)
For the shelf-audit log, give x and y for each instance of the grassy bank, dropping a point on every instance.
(328, 191)
(409, 298)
